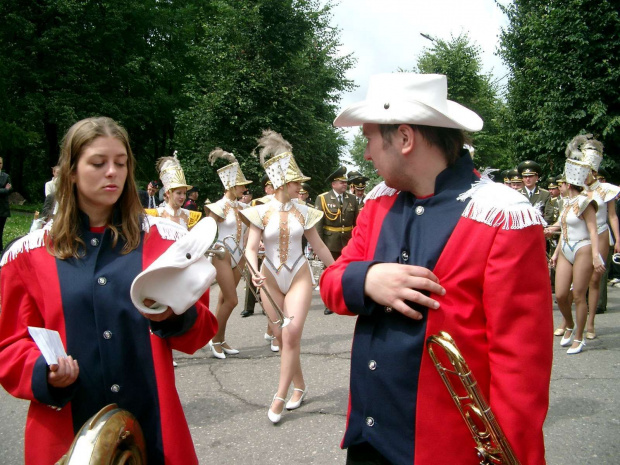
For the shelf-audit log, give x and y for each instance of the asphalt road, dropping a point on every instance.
(226, 401)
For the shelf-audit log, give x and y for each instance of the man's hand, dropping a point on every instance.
(391, 284)
(64, 374)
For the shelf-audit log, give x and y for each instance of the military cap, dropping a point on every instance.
(305, 188)
(514, 176)
(265, 180)
(192, 190)
(339, 175)
(552, 183)
(529, 168)
(356, 179)
(506, 176)
(560, 178)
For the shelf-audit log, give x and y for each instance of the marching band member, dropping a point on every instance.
(605, 195)
(175, 192)
(285, 273)
(577, 254)
(74, 276)
(436, 248)
(231, 235)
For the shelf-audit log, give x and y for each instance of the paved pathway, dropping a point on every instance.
(226, 401)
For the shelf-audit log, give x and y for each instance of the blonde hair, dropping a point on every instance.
(64, 240)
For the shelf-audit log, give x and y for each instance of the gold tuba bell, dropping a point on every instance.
(111, 437)
(492, 445)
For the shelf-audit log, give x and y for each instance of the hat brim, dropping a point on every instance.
(181, 275)
(301, 179)
(409, 112)
(177, 186)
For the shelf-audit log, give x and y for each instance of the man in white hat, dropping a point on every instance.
(431, 253)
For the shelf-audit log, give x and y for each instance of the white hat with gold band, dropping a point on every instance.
(171, 173)
(230, 175)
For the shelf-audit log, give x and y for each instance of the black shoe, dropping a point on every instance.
(247, 313)
(327, 311)
(600, 310)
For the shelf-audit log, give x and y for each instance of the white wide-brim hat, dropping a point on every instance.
(181, 275)
(408, 98)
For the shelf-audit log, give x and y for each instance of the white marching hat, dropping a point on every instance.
(576, 172)
(408, 98)
(181, 275)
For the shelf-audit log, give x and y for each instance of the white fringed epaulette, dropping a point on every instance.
(497, 205)
(380, 190)
(167, 229)
(30, 241)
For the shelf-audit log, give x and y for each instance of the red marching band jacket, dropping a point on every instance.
(120, 346)
(497, 307)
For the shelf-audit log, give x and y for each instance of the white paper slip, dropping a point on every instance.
(49, 344)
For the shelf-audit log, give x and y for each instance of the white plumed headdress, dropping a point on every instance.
(171, 173)
(230, 175)
(281, 167)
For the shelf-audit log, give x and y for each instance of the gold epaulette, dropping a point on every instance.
(151, 212)
(194, 217)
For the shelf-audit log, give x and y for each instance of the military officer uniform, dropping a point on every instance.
(539, 198)
(551, 184)
(357, 184)
(339, 216)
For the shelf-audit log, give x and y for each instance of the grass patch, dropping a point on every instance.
(16, 225)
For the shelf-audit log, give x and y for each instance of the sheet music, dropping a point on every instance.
(49, 344)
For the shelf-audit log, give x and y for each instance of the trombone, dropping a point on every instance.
(492, 445)
(247, 273)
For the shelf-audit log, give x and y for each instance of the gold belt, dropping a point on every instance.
(342, 229)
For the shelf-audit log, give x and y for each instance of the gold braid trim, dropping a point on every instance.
(329, 214)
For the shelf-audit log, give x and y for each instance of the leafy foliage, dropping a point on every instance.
(460, 60)
(266, 64)
(564, 59)
(365, 166)
(185, 74)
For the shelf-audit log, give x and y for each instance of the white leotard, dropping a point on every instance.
(602, 193)
(231, 231)
(574, 234)
(284, 256)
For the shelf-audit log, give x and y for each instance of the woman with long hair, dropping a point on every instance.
(74, 276)
(231, 235)
(285, 273)
(605, 195)
(577, 254)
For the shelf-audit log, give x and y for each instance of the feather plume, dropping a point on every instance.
(272, 144)
(166, 162)
(573, 149)
(592, 143)
(219, 153)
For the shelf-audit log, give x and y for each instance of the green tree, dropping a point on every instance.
(63, 60)
(259, 65)
(564, 61)
(460, 60)
(185, 74)
(358, 146)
